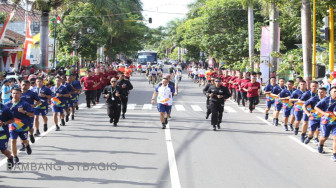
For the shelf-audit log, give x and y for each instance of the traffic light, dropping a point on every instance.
(325, 29)
(150, 20)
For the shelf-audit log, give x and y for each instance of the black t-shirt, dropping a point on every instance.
(221, 90)
(112, 99)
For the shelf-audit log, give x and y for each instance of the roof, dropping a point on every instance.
(20, 13)
(12, 38)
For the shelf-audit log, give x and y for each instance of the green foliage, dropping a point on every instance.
(292, 60)
(3, 17)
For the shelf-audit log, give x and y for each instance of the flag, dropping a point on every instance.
(28, 44)
(4, 27)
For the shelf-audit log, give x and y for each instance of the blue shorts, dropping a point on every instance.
(314, 124)
(305, 117)
(164, 108)
(287, 112)
(278, 107)
(298, 115)
(14, 135)
(269, 104)
(58, 109)
(70, 104)
(41, 112)
(4, 141)
(326, 129)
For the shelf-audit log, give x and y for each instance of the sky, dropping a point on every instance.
(162, 11)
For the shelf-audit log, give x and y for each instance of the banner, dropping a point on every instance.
(265, 52)
(4, 27)
(28, 44)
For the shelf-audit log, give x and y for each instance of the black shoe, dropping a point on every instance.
(37, 133)
(166, 120)
(29, 150)
(16, 160)
(266, 116)
(218, 126)
(286, 127)
(123, 116)
(115, 124)
(23, 148)
(214, 127)
(45, 127)
(111, 120)
(66, 118)
(32, 139)
(72, 117)
(163, 126)
(76, 107)
(10, 163)
(57, 128)
(63, 122)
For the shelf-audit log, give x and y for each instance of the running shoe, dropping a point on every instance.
(286, 127)
(163, 126)
(29, 150)
(16, 160)
(72, 117)
(266, 116)
(333, 158)
(303, 137)
(32, 139)
(218, 126)
(45, 127)
(320, 149)
(115, 124)
(63, 122)
(57, 128)
(67, 118)
(166, 120)
(316, 141)
(123, 116)
(37, 133)
(291, 127)
(23, 148)
(296, 132)
(10, 163)
(307, 140)
(214, 127)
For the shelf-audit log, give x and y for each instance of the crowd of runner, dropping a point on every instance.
(314, 105)
(25, 100)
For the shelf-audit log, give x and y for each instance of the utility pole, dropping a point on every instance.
(331, 40)
(314, 40)
(54, 52)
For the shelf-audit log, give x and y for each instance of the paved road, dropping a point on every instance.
(246, 152)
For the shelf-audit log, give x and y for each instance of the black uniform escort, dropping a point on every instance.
(208, 112)
(113, 103)
(217, 95)
(125, 87)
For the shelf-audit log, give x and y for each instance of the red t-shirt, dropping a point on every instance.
(97, 80)
(88, 83)
(252, 89)
(226, 80)
(243, 83)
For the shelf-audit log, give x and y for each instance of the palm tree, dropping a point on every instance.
(250, 15)
(306, 38)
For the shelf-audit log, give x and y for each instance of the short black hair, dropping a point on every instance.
(282, 79)
(303, 81)
(259, 73)
(291, 81)
(273, 77)
(323, 88)
(16, 89)
(39, 78)
(314, 82)
(299, 77)
(26, 81)
(254, 73)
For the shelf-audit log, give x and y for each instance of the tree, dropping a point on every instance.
(307, 37)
